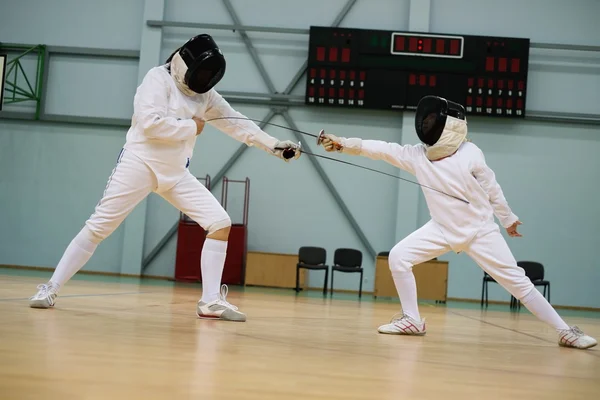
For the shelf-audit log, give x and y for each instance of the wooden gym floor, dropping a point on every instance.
(123, 338)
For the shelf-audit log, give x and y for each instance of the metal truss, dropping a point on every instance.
(16, 76)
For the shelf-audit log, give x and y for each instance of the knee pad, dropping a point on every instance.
(94, 233)
(87, 240)
(529, 296)
(398, 260)
(218, 225)
(521, 289)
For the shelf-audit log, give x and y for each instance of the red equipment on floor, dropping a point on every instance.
(190, 239)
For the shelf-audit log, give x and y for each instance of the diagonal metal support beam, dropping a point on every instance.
(336, 22)
(251, 49)
(233, 159)
(297, 77)
(331, 188)
(343, 12)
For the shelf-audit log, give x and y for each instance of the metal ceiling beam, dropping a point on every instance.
(570, 118)
(92, 52)
(560, 46)
(297, 31)
(251, 48)
(532, 115)
(226, 27)
(278, 96)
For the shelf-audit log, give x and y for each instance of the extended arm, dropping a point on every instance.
(487, 179)
(237, 126)
(404, 157)
(151, 105)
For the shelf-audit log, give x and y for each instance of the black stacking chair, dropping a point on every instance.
(349, 261)
(312, 258)
(484, 288)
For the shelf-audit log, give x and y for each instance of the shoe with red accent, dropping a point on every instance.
(402, 324)
(574, 337)
(220, 309)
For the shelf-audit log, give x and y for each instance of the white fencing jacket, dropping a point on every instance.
(464, 175)
(163, 134)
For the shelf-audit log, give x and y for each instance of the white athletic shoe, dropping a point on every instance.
(402, 324)
(574, 337)
(45, 296)
(220, 309)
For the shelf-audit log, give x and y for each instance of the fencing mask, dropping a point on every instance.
(198, 65)
(441, 125)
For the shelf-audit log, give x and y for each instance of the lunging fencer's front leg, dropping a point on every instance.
(196, 201)
(422, 245)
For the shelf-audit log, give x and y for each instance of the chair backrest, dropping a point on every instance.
(533, 270)
(383, 254)
(312, 255)
(347, 258)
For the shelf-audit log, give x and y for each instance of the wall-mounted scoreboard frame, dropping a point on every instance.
(3, 58)
(376, 69)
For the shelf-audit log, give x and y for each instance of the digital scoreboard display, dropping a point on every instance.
(376, 69)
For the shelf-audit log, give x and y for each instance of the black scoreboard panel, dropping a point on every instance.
(376, 69)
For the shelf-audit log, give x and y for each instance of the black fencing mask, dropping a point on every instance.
(198, 65)
(431, 117)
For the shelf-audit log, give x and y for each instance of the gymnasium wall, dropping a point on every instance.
(52, 174)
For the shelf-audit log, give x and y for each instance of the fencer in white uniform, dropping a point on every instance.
(447, 162)
(170, 107)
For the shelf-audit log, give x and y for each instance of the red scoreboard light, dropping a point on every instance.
(425, 45)
(389, 70)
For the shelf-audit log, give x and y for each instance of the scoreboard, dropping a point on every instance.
(377, 69)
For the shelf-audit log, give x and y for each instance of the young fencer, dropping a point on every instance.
(447, 162)
(170, 109)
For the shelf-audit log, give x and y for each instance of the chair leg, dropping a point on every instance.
(482, 291)
(325, 283)
(360, 286)
(549, 292)
(297, 279)
(331, 288)
(487, 291)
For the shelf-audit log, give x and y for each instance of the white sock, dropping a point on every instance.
(77, 254)
(212, 263)
(407, 291)
(539, 306)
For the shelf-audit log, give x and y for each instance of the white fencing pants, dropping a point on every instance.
(491, 252)
(132, 181)
(488, 249)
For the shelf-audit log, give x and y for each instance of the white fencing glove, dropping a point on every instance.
(350, 146)
(287, 150)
